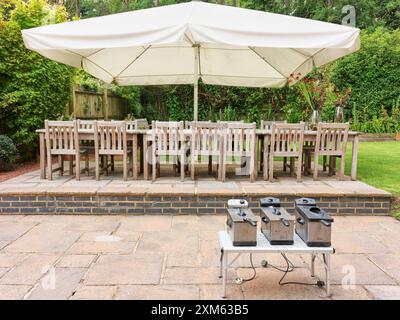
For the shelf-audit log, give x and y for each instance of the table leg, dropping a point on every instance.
(140, 140)
(224, 272)
(220, 263)
(265, 156)
(327, 260)
(145, 159)
(42, 157)
(354, 159)
(312, 264)
(134, 156)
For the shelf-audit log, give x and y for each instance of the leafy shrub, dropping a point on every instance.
(8, 152)
(32, 88)
(373, 74)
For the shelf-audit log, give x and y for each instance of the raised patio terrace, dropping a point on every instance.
(28, 193)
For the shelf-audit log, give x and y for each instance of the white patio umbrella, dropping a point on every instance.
(179, 44)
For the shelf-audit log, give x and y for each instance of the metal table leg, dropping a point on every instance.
(327, 260)
(224, 272)
(313, 256)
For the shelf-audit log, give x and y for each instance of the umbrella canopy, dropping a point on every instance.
(178, 44)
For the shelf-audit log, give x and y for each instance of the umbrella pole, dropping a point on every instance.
(196, 83)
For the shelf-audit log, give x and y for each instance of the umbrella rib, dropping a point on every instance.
(133, 61)
(262, 58)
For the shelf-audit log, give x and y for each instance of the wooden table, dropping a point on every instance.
(146, 134)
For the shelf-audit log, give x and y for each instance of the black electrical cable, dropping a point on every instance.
(289, 268)
(254, 270)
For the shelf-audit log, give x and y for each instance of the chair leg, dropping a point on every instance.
(87, 164)
(49, 167)
(61, 164)
(77, 166)
(154, 165)
(192, 170)
(292, 166)
(124, 165)
(182, 165)
(315, 173)
(342, 166)
(271, 168)
(331, 160)
(223, 170)
(97, 166)
(299, 162)
(71, 166)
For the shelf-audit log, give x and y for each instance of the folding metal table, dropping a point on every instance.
(263, 246)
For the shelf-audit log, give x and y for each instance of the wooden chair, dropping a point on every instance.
(86, 125)
(62, 139)
(136, 144)
(239, 141)
(286, 141)
(267, 125)
(110, 140)
(206, 140)
(168, 140)
(331, 141)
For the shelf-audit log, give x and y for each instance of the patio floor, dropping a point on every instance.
(176, 257)
(240, 185)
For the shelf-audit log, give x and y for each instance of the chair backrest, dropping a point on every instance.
(166, 136)
(61, 137)
(331, 138)
(267, 125)
(85, 124)
(137, 124)
(110, 137)
(230, 122)
(287, 139)
(240, 139)
(142, 123)
(206, 138)
(190, 124)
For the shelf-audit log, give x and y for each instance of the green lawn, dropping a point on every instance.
(379, 166)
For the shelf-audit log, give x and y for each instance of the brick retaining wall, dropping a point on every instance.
(175, 204)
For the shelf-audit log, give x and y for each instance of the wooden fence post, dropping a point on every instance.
(105, 104)
(74, 100)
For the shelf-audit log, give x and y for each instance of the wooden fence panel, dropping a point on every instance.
(90, 105)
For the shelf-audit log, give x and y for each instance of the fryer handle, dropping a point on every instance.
(265, 219)
(285, 222)
(251, 222)
(300, 220)
(229, 222)
(326, 223)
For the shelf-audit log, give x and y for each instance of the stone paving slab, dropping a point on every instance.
(384, 292)
(66, 280)
(159, 292)
(177, 257)
(94, 293)
(126, 269)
